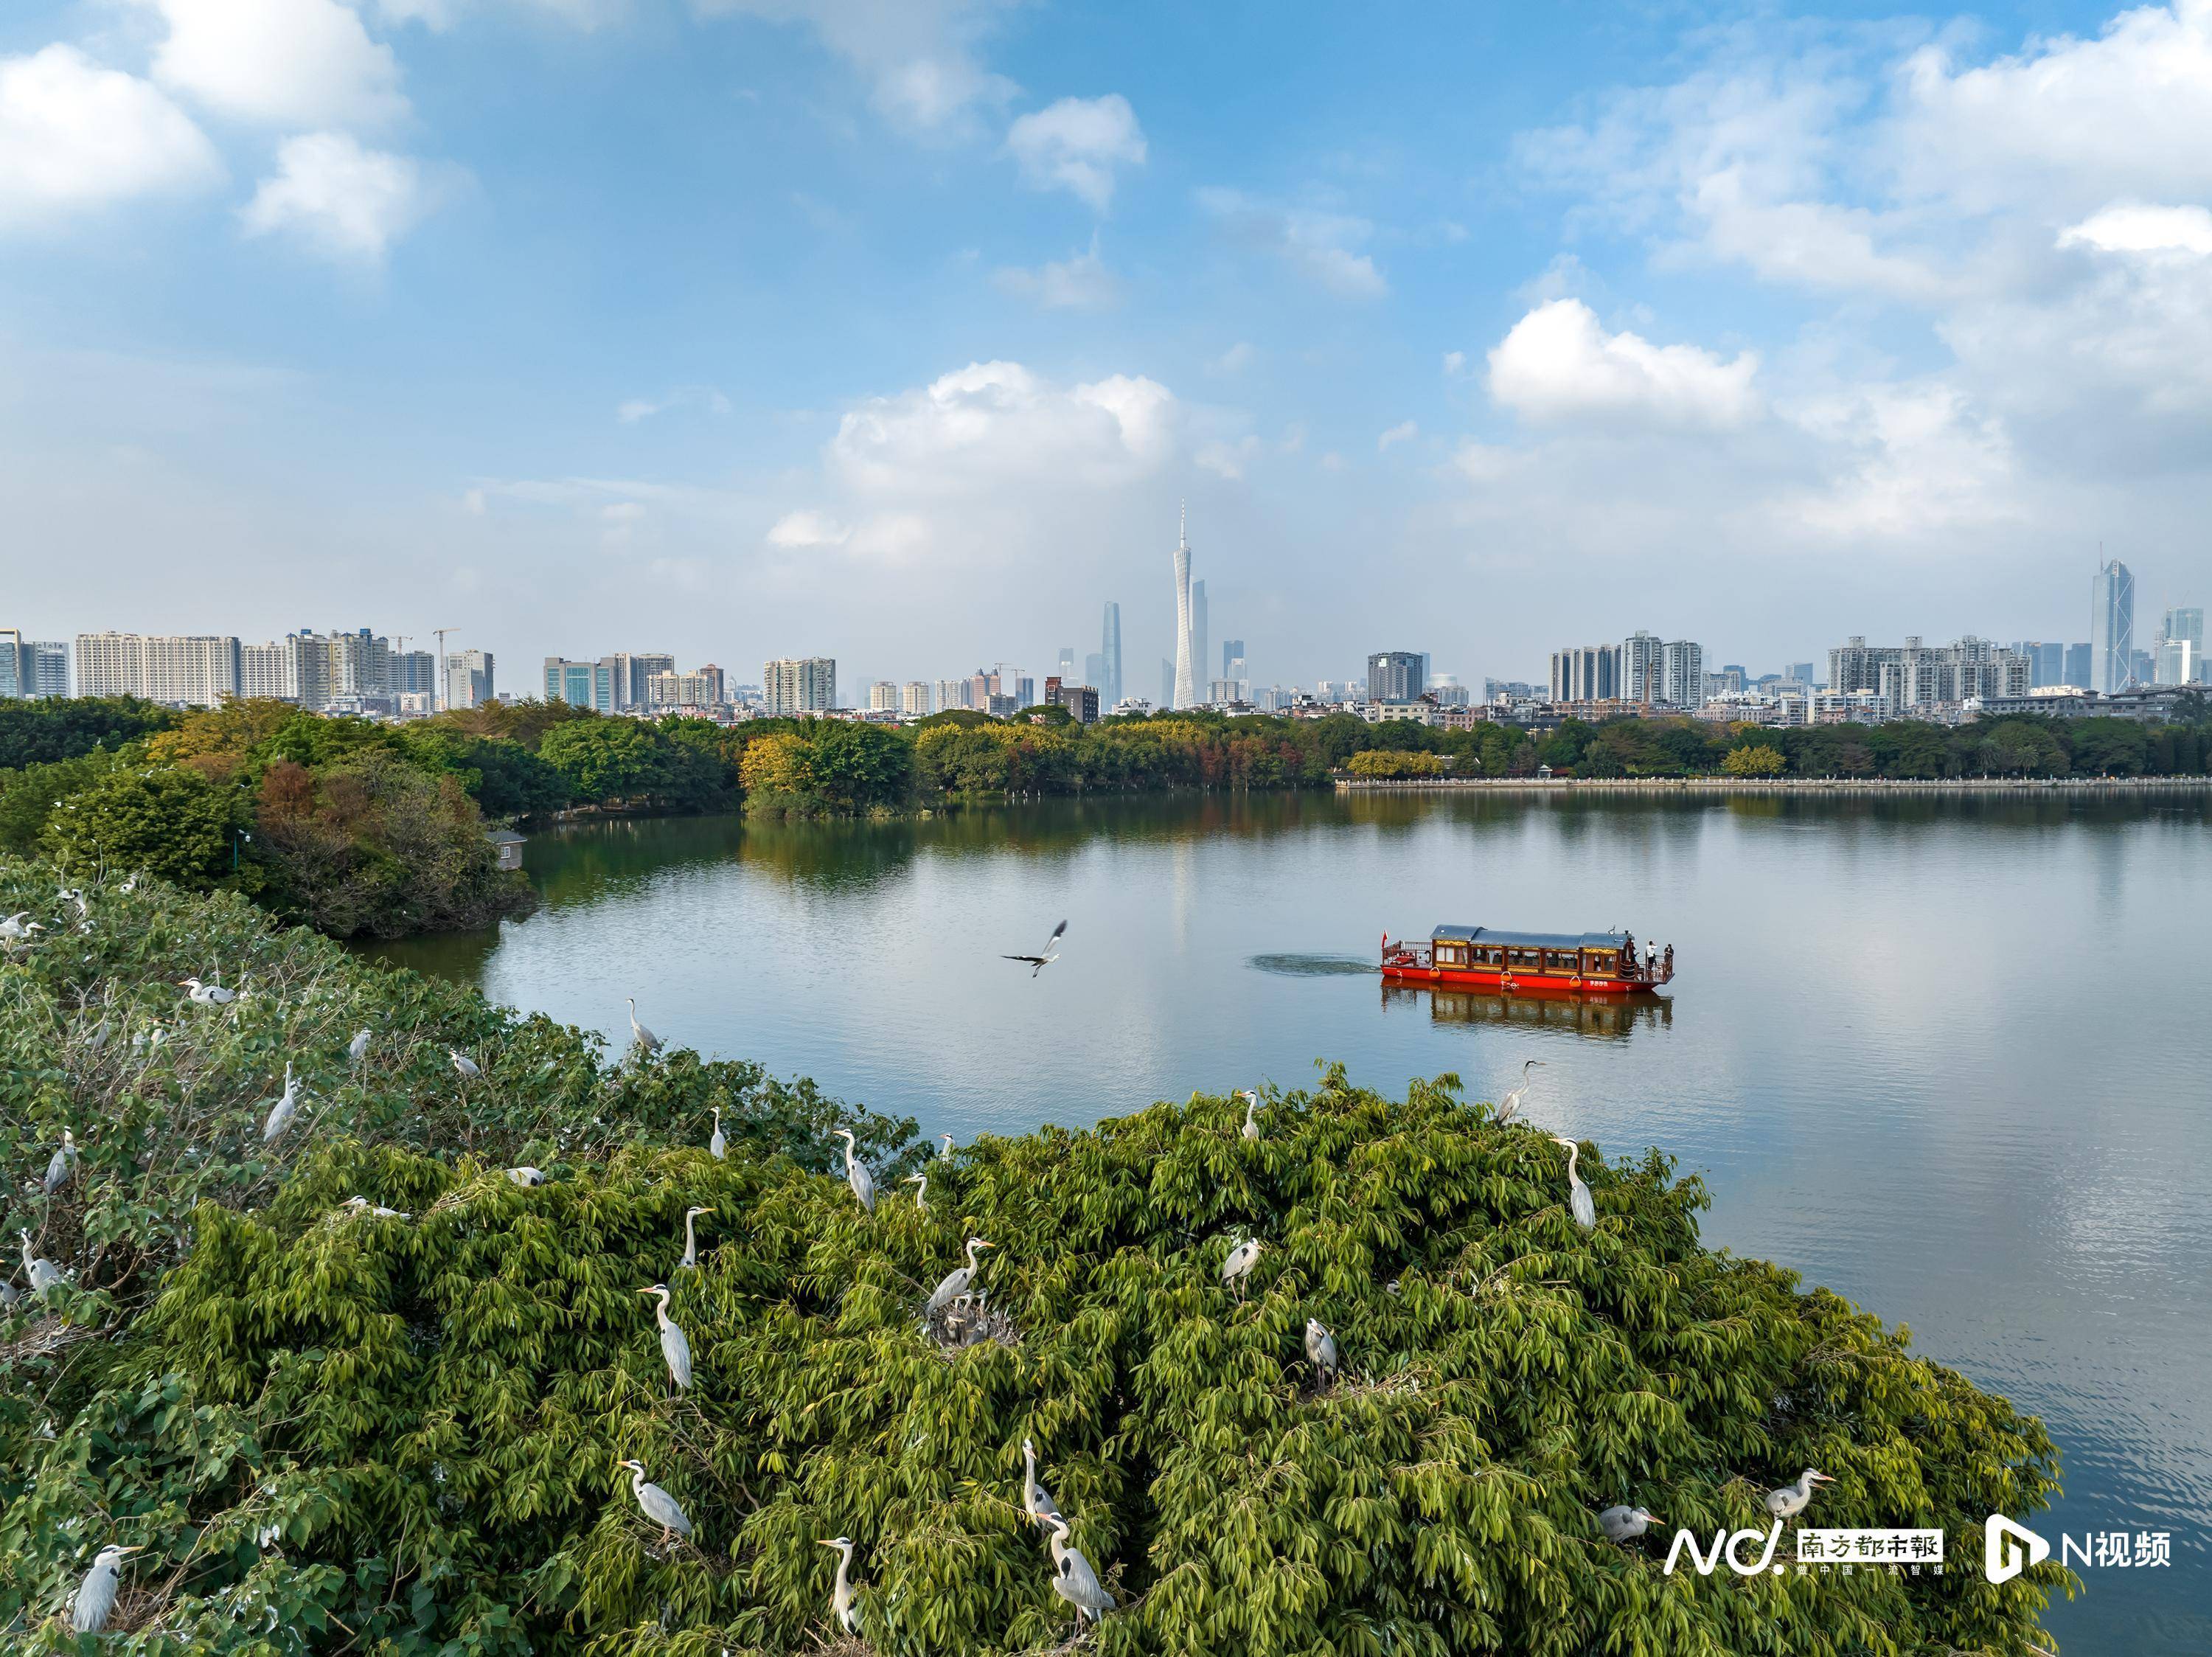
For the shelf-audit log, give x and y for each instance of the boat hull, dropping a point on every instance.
(1471, 977)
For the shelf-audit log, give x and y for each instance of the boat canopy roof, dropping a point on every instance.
(1491, 934)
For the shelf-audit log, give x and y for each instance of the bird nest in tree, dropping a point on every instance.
(841, 1644)
(44, 1339)
(964, 1321)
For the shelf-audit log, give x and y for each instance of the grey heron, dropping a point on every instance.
(1039, 962)
(63, 1164)
(674, 1346)
(357, 1049)
(857, 1175)
(95, 1596)
(1578, 1194)
(1626, 1524)
(1320, 1350)
(1251, 1128)
(841, 1608)
(718, 1146)
(130, 884)
(645, 1041)
(465, 1067)
(958, 1281)
(1036, 1501)
(525, 1176)
(362, 1205)
(945, 1152)
(1073, 1580)
(282, 1112)
(660, 1507)
(1511, 1102)
(43, 1273)
(206, 995)
(1789, 1500)
(1238, 1266)
(920, 1183)
(690, 1260)
(13, 930)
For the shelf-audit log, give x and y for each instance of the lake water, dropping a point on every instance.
(1946, 1056)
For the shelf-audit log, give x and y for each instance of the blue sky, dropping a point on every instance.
(897, 331)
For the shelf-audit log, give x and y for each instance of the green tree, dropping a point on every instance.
(65, 727)
(605, 760)
(174, 824)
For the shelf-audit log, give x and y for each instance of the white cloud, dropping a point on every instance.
(1558, 364)
(281, 63)
(797, 531)
(1906, 460)
(74, 136)
(1322, 246)
(2133, 227)
(1227, 458)
(1404, 432)
(1075, 145)
(1238, 358)
(918, 56)
(445, 14)
(342, 200)
(1081, 283)
(1454, 363)
(704, 398)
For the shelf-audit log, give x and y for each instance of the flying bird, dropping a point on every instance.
(1321, 1348)
(62, 1166)
(1036, 1501)
(958, 1281)
(1578, 1194)
(1511, 1102)
(660, 1507)
(647, 1043)
(1789, 1500)
(1073, 1580)
(467, 1067)
(95, 1595)
(674, 1346)
(1251, 1128)
(842, 1609)
(1038, 963)
(282, 1112)
(690, 1260)
(857, 1175)
(1626, 1524)
(1238, 1266)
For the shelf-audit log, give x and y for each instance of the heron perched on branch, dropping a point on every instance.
(43, 1273)
(944, 1148)
(690, 1260)
(362, 1205)
(95, 1596)
(1321, 1350)
(1251, 1128)
(674, 1345)
(1073, 1580)
(62, 1166)
(843, 1611)
(660, 1507)
(13, 930)
(525, 1176)
(1038, 963)
(1789, 1500)
(1238, 1266)
(206, 995)
(857, 1175)
(647, 1042)
(920, 1183)
(466, 1068)
(1511, 1102)
(357, 1049)
(1036, 1501)
(286, 1107)
(1626, 1524)
(718, 1144)
(957, 1282)
(1578, 1194)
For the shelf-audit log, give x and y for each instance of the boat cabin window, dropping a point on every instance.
(1489, 954)
(1604, 960)
(1559, 960)
(1449, 954)
(1531, 958)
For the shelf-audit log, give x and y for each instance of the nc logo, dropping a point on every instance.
(2000, 1557)
(1726, 1547)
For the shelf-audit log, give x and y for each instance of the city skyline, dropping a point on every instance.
(1564, 300)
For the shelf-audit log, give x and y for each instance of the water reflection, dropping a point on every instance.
(1608, 1017)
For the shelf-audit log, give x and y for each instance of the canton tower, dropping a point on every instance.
(1185, 689)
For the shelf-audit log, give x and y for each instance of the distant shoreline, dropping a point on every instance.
(1646, 785)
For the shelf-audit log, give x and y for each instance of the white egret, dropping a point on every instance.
(1321, 1348)
(282, 1112)
(60, 1168)
(920, 1183)
(525, 1176)
(1789, 1500)
(468, 1069)
(1073, 1580)
(674, 1346)
(857, 1175)
(660, 1507)
(1238, 1266)
(1578, 1194)
(1511, 1102)
(357, 1049)
(958, 1281)
(645, 1041)
(945, 1152)
(690, 1260)
(1251, 1128)
(847, 1615)
(206, 995)
(1038, 963)
(1626, 1524)
(43, 1273)
(1036, 1501)
(362, 1205)
(95, 1595)
(718, 1146)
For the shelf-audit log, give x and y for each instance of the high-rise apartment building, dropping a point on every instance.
(580, 684)
(2112, 627)
(15, 665)
(1682, 673)
(951, 693)
(268, 672)
(1108, 678)
(630, 675)
(1394, 676)
(1639, 671)
(704, 688)
(329, 668)
(913, 700)
(468, 679)
(1918, 675)
(1585, 672)
(1183, 689)
(795, 685)
(413, 672)
(187, 671)
(882, 696)
(1198, 633)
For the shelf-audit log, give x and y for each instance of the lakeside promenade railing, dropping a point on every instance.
(2135, 786)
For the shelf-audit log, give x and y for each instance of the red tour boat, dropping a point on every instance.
(1592, 963)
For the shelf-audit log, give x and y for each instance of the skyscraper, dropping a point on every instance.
(1638, 673)
(2077, 666)
(803, 684)
(2112, 626)
(1184, 689)
(2180, 653)
(1110, 655)
(1682, 673)
(48, 674)
(1198, 634)
(468, 679)
(1232, 658)
(1394, 676)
